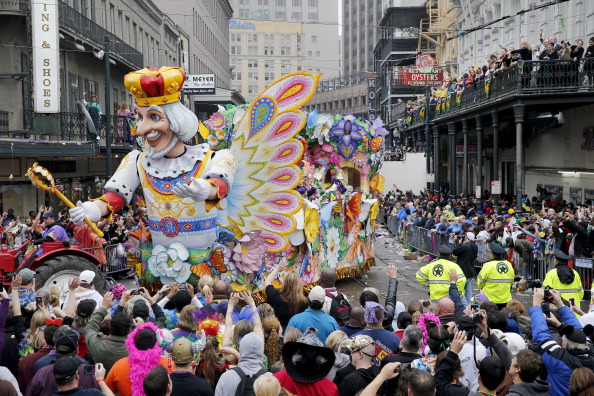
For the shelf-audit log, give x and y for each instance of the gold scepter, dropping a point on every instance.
(32, 174)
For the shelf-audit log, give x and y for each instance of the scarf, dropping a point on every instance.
(141, 362)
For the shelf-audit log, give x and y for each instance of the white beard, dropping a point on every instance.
(155, 155)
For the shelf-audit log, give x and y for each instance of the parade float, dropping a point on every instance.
(270, 182)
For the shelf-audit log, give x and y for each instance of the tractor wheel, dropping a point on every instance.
(59, 270)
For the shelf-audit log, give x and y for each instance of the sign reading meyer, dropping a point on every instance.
(46, 56)
(426, 76)
(199, 84)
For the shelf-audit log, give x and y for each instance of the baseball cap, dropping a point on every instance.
(87, 276)
(470, 236)
(65, 368)
(317, 294)
(181, 351)
(573, 334)
(86, 307)
(140, 309)
(67, 342)
(49, 215)
(27, 275)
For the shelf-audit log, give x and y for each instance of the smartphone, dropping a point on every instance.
(39, 300)
(475, 307)
(135, 292)
(181, 286)
(572, 301)
(426, 304)
(89, 369)
(546, 309)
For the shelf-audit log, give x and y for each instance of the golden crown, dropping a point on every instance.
(155, 86)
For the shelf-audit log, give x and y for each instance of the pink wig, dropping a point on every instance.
(427, 317)
(141, 362)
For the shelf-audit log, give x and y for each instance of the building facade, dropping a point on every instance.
(271, 38)
(138, 35)
(360, 19)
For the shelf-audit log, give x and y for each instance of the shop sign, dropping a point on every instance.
(427, 76)
(46, 56)
(472, 150)
(199, 84)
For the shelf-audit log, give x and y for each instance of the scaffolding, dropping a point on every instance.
(436, 29)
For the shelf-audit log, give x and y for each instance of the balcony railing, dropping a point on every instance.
(558, 77)
(3, 120)
(21, 5)
(81, 25)
(341, 82)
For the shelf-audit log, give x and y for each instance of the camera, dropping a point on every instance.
(89, 369)
(476, 317)
(426, 304)
(181, 286)
(39, 300)
(403, 368)
(135, 292)
(547, 293)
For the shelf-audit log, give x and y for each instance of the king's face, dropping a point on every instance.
(152, 124)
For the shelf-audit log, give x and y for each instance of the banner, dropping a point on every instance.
(46, 56)
(427, 76)
(371, 99)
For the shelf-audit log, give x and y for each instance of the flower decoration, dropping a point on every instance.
(347, 133)
(220, 134)
(212, 141)
(359, 158)
(230, 275)
(323, 155)
(248, 253)
(332, 247)
(216, 121)
(322, 128)
(312, 222)
(170, 263)
(377, 183)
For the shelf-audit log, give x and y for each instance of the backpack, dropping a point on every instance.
(246, 382)
(340, 309)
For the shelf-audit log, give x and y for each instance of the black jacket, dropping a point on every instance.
(466, 254)
(390, 304)
(357, 381)
(401, 357)
(582, 238)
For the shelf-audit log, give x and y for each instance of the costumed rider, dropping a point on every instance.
(437, 275)
(53, 232)
(182, 185)
(564, 279)
(496, 277)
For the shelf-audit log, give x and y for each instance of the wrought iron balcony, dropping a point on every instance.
(82, 26)
(16, 5)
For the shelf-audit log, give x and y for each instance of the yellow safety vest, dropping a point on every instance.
(496, 278)
(574, 290)
(436, 274)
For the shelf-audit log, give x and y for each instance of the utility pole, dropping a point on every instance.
(108, 164)
(427, 130)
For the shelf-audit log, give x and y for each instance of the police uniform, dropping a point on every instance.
(496, 277)
(564, 279)
(437, 275)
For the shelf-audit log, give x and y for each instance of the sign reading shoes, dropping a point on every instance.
(199, 84)
(46, 57)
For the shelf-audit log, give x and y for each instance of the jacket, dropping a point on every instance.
(104, 349)
(558, 361)
(357, 380)
(558, 279)
(496, 278)
(437, 275)
(582, 238)
(445, 375)
(466, 257)
(251, 360)
(536, 388)
(390, 305)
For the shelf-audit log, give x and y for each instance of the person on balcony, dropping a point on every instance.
(122, 124)
(589, 65)
(94, 109)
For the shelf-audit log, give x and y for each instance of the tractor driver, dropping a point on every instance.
(52, 232)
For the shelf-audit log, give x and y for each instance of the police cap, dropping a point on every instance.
(445, 250)
(496, 248)
(559, 255)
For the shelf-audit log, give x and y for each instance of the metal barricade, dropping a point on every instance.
(116, 258)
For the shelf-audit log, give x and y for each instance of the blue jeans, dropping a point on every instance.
(467, 292)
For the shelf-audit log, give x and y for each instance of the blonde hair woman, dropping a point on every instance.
(35, 338)
(267, 385)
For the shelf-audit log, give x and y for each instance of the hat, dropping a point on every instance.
(86, 307)
(370, 316)
(480, 212)
(117, 290)
(317, 294)
(27, 275)
(559, 255)
(496, 248)
(515, 343)
(359, 342)
(221, 307)
(181, 351)
(470, 236)
(67, 342)
(481, 298)
(47, 215)
(65, 368)
(87, 277)
(445, 249)
(155, 87)
(140, 309)
(464, 322)
(307, 360)
(573, 334)
(506, 216)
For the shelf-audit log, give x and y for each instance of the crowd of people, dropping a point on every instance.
(566, 72)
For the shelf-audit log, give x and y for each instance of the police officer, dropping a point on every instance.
(436, 275)
(564, 279)
(496, 277)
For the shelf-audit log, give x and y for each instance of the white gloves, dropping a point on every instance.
(201, 343)
(198, 190)
(85, 209)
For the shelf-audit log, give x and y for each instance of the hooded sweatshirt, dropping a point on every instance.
(341, 360)
(536, 388)
(357, 380)
(251, 359)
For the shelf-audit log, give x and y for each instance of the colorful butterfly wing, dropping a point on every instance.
(376, 144)
(353, 209)
(326, 213)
